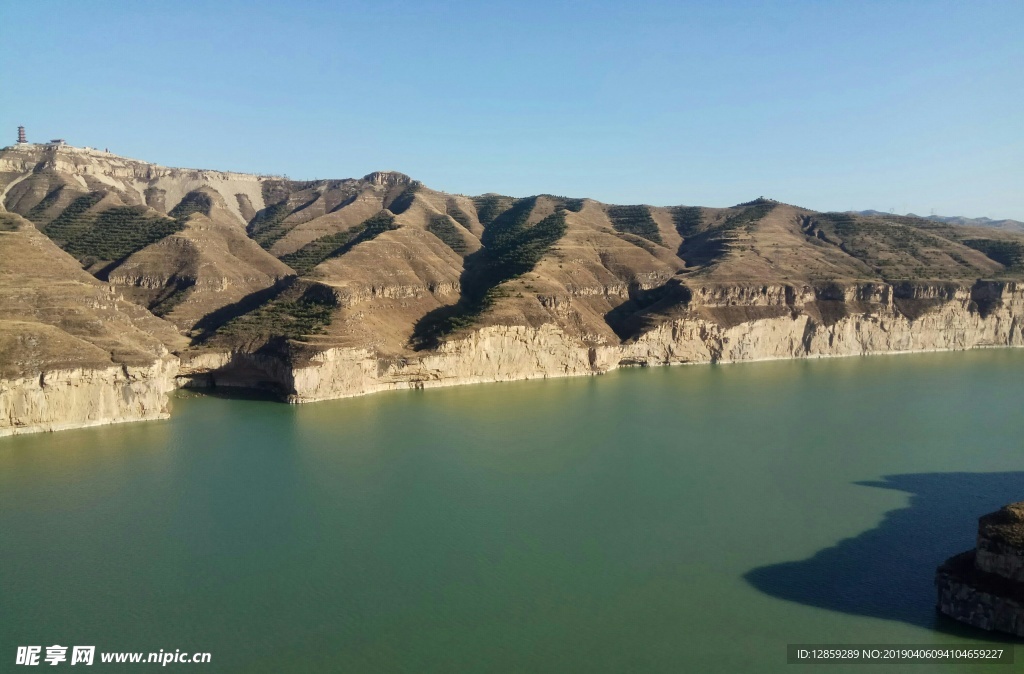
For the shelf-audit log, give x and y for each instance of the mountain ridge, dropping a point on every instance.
(326, 288)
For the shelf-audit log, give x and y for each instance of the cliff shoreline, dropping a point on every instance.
(422, 385)
(510, 353)
(724, 324)
(66, 399)
(121, 280)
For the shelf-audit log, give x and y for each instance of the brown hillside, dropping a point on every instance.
(388, 264)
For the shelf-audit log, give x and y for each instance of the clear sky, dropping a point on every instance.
(911, 106)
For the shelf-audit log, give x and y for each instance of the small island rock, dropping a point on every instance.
(984, 587)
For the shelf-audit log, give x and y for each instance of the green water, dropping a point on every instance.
(659, 520)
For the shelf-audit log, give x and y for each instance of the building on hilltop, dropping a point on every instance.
(21, 135)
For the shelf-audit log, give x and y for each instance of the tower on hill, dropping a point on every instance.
(21, 135)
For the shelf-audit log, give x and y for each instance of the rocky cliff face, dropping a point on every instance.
(72, 352)
(984, 587)
(79, 397)
(721, 325)
(790, 325)
(32, 169)
(331, 288)
(866, 319)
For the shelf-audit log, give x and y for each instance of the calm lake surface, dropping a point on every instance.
(659, 520)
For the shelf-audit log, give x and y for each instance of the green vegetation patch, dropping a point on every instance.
(112, 234)
(444, 228)
(118, 232)
(457, 214)
(895, 249)
(193, 202)
(173, 294)
(403, 201)
(568, 203)
(517, 251)
(511, 250)
(268, 225)
(1010, 254)
(274, 191)
(37, 212)
(299, 310)
(73, 221)
(635, 220)
(915, 221)
(500, 232)
(490, 206)
(334, 245)
(750, 215)
(706, 247)
(687, 219)
(760, 201)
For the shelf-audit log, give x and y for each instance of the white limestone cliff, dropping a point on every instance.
(792, 327)
(80, 397)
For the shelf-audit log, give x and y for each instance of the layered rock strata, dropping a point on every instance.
(79, 397)
(113, 271)
(73, 353)
(984, 587)
(719, 325)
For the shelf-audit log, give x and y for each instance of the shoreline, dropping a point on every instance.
(244, 392)
(707, 334)
(624, 366)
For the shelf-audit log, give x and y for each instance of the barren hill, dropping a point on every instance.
(72, 352)
(320, 289)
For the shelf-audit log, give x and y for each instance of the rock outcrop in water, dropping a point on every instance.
(984, 587)
(122, 279)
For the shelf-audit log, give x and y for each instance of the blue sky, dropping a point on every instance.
(911, 106)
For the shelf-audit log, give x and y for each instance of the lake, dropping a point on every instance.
(693, 518)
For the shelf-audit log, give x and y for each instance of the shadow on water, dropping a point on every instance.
(888, 572)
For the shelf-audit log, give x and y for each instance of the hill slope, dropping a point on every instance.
(326, 288)
(72, 352)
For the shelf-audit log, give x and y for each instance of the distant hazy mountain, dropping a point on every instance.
(1008, 225)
